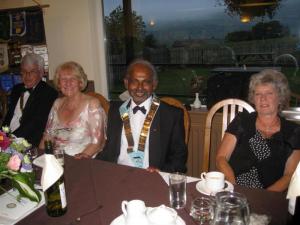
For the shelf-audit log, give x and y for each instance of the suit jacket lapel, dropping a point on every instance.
(31, 98)
(154, 141)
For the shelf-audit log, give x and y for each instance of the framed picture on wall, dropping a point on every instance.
(3, 57)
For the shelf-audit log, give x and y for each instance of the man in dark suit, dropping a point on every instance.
(30, 102)
(143, 131)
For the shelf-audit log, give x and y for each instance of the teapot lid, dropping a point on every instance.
(162, 215)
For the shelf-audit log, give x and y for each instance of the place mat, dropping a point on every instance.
(11, 210)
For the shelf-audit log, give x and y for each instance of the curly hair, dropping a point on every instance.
(275, 78)
(76, 70)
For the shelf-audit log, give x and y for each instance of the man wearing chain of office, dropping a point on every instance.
(143, 131)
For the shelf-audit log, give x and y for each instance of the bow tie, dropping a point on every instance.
(30, 90)
(137, 108)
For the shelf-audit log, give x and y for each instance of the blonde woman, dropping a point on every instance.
(76, 121)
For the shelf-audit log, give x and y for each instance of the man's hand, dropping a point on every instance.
(152, 169)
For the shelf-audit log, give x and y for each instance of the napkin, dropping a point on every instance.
(52, 171)
(39, 161)
(124, 96)
(294, 190)
(12, 210)
(165, 177)
(294, 187)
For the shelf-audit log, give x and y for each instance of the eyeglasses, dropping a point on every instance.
(29, 73)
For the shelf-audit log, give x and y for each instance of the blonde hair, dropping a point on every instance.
(75, 68)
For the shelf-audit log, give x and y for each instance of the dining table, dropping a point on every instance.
(95, 190)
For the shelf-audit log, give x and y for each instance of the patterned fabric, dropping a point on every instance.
(261, 150)
(259, 146)
(87, 128)
(249, 179)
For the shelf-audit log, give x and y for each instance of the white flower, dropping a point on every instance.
(25, 143)
(6, 129)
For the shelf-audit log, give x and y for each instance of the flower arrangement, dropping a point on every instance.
(197, 83)
(15, 165)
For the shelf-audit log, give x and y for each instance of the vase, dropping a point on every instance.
(197, 102)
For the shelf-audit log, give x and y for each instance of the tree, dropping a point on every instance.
(239, 36)
(260, 31)
(253, 8)
(115, 32)
(150, 41)
(272, 29)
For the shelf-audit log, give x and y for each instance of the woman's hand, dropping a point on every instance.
(82, 155)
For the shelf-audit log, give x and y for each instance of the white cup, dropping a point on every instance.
(214, 181)
(177, 190)
(134, 212)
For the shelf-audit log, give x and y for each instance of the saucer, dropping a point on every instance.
(120, 220)
(200, 186)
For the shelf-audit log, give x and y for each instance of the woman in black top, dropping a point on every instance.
(262, 149)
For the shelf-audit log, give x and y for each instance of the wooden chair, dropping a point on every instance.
(230, 108)
(104, 102)
(187, 120)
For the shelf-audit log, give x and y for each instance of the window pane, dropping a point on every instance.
(190, 41)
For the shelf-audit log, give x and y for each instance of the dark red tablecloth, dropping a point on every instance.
(95, 190)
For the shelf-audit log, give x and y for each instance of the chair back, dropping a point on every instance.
(230, 108)
(104, 102)
(186, 116)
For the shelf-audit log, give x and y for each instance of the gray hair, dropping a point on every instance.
(33, 59)
(77, 71)
(275, 78)
(144, 63)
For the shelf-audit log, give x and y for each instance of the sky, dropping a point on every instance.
(202, 11)
(163, 9)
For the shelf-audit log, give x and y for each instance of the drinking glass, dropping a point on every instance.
(33, 153)
(202, 209)
(59, 155)
(177, 190)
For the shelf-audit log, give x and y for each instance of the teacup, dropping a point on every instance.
(214, 181)
(134, 212)
(162, 215)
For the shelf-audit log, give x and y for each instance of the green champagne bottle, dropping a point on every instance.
(55, 196)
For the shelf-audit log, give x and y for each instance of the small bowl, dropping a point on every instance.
(162, 215)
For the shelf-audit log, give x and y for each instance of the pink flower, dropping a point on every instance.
(4, 141)
(14, 163)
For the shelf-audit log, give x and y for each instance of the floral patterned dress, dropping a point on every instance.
(73, 137)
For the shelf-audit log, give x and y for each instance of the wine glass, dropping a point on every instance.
(33, 153)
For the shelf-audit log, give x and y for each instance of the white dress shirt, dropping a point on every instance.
(136, 124)
(15, 121)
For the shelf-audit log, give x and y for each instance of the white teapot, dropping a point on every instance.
(162, 215)
(134, 212)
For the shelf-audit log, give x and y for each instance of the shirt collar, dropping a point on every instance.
(146, 104)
